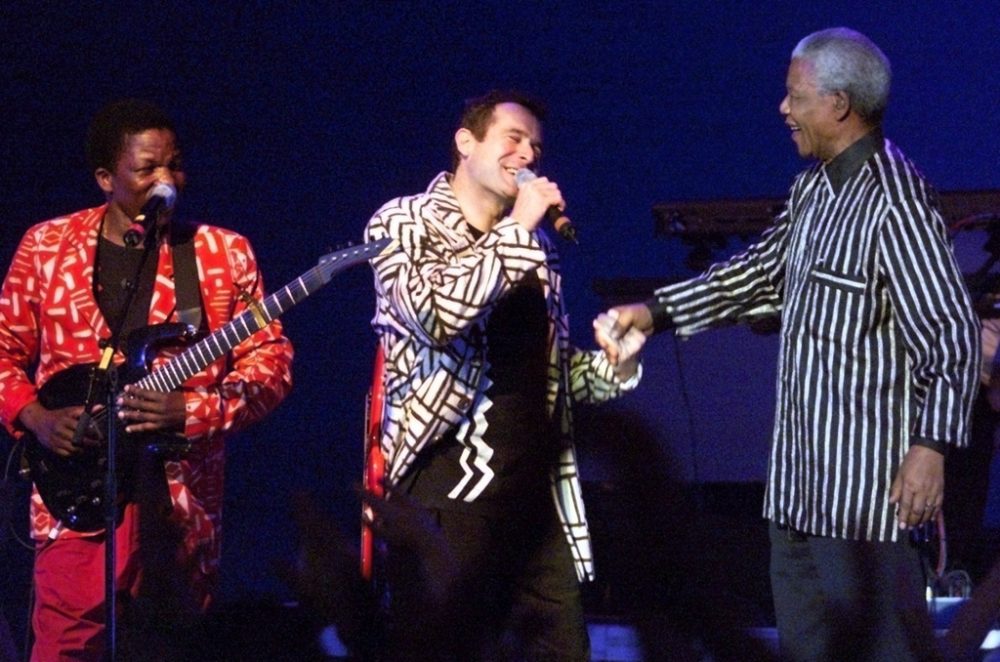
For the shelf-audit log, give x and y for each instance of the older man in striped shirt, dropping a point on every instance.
(878, 365)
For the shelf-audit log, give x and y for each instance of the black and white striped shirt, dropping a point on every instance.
(879, 344)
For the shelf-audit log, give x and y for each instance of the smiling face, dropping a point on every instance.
(513, 141)
(146, 159)
(813, 115)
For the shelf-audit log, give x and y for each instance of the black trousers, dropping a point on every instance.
(513, 593)
(840, 599)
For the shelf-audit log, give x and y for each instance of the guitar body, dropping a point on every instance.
(73, 488)
(374, 470)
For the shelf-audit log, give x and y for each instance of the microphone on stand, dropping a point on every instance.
(161, 198)
(559, 220)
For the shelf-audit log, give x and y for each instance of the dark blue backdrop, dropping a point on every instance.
(299, 120)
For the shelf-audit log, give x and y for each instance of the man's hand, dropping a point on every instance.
(533, 199)
(143, 410)
(626, 359)
(54, 428)
(628, 323)
(918, 489)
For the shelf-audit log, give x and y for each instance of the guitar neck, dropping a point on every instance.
(178, 370)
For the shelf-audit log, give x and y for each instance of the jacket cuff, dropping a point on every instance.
(938, 446)
(662, 321)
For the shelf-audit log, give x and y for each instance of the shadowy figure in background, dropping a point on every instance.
(326, 580)
(967, 470)
(155, 621)
(163, 622)
(679, 571)
(667, 564)
(328, 583)
(974, 620)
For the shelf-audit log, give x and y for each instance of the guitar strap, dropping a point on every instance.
(152, 491)
(186, 290)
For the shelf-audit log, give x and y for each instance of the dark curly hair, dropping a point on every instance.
(114, 123)
(478, 114)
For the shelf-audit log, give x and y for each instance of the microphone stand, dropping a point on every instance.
(111, 509)
(107, 373)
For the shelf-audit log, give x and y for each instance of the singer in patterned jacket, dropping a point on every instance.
(62, 297)
(480, 379)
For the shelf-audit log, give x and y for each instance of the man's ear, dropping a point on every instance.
(841, 104)
(103, 177)
(464, 141)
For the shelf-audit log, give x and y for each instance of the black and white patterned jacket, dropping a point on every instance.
(433, 300)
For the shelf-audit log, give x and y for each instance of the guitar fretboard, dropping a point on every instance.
(172, 374)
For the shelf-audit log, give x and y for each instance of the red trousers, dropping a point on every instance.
(68, 618)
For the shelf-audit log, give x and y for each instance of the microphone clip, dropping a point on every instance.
(161, 198)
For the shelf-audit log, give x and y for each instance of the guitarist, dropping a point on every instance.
(61, 299)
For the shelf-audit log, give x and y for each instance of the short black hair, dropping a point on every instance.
(114, 123)
(478, 114)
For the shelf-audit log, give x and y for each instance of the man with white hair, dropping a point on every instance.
(878, 361)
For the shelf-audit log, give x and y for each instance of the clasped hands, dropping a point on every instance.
(621, 332)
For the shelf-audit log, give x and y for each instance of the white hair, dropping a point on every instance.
(846, 60)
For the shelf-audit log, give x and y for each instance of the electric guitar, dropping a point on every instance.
(72, 488)
(374, 469)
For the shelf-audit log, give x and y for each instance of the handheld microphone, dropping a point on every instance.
(161, 198)
(559, 220)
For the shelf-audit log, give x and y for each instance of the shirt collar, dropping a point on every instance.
(844, 165)
(449, 211)
(440, 188)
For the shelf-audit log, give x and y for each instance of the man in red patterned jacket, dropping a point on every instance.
(61, 300)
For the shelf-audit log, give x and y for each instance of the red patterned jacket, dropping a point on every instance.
(48, 313)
